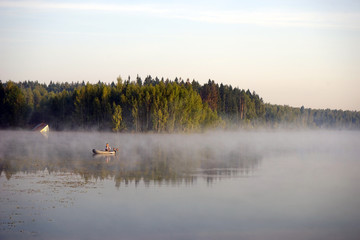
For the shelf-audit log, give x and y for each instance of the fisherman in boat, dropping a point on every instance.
(107, 147)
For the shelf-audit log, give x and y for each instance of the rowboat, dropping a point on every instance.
(95, 151)
(42, 127)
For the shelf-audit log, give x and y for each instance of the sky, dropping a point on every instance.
(297, 53)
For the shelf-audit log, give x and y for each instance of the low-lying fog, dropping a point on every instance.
(31, 151)
(15, 143)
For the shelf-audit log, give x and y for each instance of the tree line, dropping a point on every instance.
(239, 107)
(153, 105)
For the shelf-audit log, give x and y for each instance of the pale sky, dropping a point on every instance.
(298, 52)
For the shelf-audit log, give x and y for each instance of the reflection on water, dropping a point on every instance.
(245, 185)
(160, 162)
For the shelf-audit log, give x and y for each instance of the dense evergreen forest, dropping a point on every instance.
(154, 105)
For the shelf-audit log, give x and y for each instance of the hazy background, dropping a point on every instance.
(290, 52)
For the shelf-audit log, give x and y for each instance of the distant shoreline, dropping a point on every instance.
(155, 106)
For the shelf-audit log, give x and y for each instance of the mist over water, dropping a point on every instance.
(182, 154)
(216, 185)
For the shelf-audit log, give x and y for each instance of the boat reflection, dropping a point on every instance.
(107, 158)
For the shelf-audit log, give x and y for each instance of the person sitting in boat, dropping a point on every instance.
(107, 147)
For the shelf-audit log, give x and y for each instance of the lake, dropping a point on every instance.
(218, 185)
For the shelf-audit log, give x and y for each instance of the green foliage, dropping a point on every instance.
(117, 118)
(153, 105)
(14, 110)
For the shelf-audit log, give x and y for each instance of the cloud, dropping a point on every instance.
(279, 18)
(287, 17)
(81, 6)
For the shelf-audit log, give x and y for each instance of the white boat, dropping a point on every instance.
(42, 127)
(95, 151)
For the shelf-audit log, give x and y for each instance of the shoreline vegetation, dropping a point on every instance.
(154, 105)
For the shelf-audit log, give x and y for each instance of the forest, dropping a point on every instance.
(154, 105)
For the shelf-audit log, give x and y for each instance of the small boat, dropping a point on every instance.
(42, 127)
(95, 151)
(106, 157)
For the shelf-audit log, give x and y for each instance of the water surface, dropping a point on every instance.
(242, 185)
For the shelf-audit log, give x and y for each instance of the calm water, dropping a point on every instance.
(243, 185)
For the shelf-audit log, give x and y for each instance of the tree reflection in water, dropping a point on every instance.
(151, 163)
